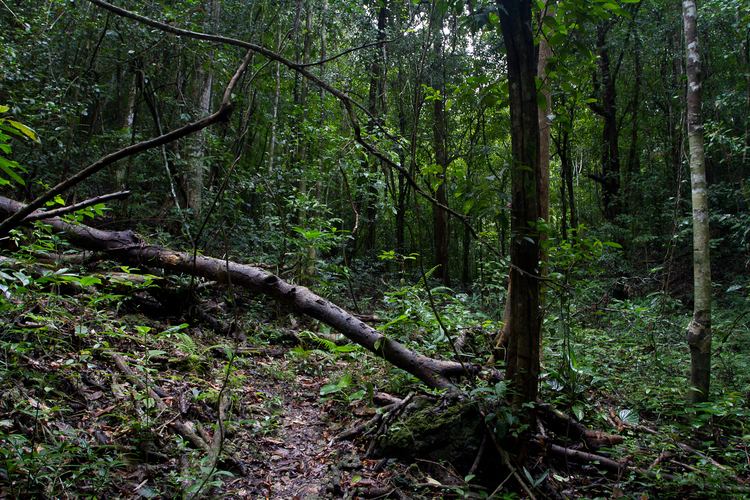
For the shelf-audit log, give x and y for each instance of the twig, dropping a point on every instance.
(359, 429)
(343, 53)
(480, 453)
(388, 417)
(217, 443)
(690, 449)
(385, 399)
(584, 456)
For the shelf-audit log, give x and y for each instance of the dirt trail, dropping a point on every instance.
(300, 460)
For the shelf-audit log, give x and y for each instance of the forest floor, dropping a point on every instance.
(74, 422)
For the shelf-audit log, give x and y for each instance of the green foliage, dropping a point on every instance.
(10, 170)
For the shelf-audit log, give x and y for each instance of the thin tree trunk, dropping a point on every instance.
(545, 52)
(275, 109)
(699, 331)
(439, 215)
(376, 107)
(198, 150)
(634, 165)
(402, 185)
(746, 61)
(128, 120)
(607, 109)
(466, 243)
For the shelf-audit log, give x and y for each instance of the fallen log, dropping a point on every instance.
(129, 248)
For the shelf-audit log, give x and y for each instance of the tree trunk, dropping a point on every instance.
(198, 151)
(128, 119)
(607, 109)
(402, 186)
(699, 331)
(439, 138)
(127, 247)
(524, 333)
(275, 110)
(376, 107)
(545, 52)
(634, 164)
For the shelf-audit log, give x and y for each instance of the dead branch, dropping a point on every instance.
(565, 425)
(129, 248)
(57, 212)
(586, 457)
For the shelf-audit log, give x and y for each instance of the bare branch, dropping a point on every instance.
(77, 206)
(343, 53)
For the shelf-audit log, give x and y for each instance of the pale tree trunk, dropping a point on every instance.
(312, 252)
(699, 331)
(275, 111)
(198, 152)
(376, 107)
(128, 119)
(545, 52)
(308, 268)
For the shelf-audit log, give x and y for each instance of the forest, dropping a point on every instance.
(375, 249)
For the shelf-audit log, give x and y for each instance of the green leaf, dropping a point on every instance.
(9, 167)
(628, 416)
(578, 412)
(89, 280)
(329, 389)
(3, 108)
(28, 132)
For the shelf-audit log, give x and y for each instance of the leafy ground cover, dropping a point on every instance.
(268, 394)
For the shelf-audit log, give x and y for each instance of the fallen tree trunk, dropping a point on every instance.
(129, 248)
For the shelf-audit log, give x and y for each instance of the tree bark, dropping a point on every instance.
(129, 248)
(699, 331)
(376, 106)
(197, 150)
(439, 141)
(275, 109)
(524, 332)
(607, 109)
(545, 52)
(128, 120)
